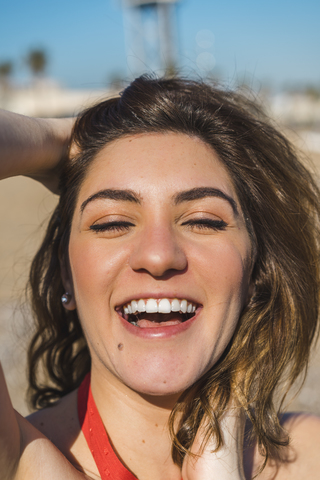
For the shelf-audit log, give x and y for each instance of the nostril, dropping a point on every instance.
(159, 255)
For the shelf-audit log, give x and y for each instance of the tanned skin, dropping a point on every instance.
(49, 445)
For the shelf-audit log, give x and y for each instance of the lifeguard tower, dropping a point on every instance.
(151, 36)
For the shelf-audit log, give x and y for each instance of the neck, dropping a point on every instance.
(137, 426)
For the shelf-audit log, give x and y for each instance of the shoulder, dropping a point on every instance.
(304, 434)
(40, 459)
(40, 447)
(59, 423)
(301, 423)
(58, 420)
(301, 459)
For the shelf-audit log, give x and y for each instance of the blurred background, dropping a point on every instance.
(58, 57)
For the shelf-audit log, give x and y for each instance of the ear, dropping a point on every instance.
(67, 282)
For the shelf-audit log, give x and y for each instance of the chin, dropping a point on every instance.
(162, 386)
(161, 391)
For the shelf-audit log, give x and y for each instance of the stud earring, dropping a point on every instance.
(66, 297)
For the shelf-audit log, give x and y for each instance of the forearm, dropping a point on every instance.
(32, 146)
(215, 466)
(9, 433)
(227, 462)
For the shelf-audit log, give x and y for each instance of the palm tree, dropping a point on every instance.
(37, 61)
(5, 72)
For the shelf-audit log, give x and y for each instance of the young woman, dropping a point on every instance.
(177, 286)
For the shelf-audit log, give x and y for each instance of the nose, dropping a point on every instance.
(158, 252)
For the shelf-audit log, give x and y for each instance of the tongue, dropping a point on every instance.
(148, 324)
(152, 320)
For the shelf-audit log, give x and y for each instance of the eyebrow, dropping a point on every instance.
(186, 196)
(110, 194)
(203, 192)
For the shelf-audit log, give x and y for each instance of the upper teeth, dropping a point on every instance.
(164, 305)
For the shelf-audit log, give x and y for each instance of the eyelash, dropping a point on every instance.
(202, 223)
(111, 226)
(206, 223)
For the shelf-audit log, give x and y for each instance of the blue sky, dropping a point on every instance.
(275, 42)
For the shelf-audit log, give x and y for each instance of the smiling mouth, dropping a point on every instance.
(151, 313)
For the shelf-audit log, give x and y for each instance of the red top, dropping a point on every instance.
(109, 465)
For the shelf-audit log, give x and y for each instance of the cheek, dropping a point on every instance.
(226, 277)
(94, 269)
(226, 271)
(87, 266)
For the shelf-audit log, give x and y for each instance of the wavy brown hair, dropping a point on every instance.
(280, 201)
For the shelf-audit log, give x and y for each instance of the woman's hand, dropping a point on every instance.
(227, 463)
(33, 147)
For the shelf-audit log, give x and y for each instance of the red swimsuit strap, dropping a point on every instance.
(109, 466)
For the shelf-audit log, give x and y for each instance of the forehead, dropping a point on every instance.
(157, 164)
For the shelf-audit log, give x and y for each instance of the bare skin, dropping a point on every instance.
(33, 147)
(302, 456)
(50, 445)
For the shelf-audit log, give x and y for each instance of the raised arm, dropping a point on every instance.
(9, 433)
(33, 147)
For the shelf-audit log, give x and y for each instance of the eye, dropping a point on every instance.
(206, 224)
(115, 226)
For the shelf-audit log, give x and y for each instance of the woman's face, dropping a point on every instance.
(158, 227)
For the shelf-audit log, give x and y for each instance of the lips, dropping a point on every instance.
(152, 313)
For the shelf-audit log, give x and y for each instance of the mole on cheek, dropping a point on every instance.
(120, 346)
